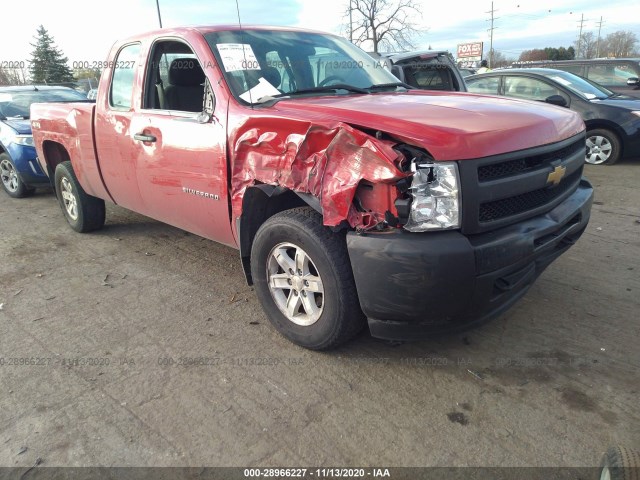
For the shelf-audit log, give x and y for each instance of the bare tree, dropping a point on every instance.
(11, 76)
(586, 46)
(500, 60)
(620, 44)
(387, 24)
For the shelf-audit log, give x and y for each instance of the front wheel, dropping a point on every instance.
(620, 463)
(303, 278)
(603, 147)
(83, 212)
(11, 181)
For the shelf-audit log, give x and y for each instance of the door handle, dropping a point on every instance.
(144, 138)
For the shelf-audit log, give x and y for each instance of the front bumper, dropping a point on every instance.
(26, 163)
(412, 285)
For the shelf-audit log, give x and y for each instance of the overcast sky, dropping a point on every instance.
(85, 31)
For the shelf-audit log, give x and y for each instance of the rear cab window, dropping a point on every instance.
(122, 80)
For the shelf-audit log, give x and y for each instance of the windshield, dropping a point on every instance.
(581, 86)
(16, 103)
(263, 64)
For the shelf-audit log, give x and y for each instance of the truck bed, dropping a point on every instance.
(69, 125)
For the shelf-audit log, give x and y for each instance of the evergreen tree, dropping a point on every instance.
(48, 64)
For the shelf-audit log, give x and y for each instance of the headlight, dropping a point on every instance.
(436, 197)
(636, 113)
(26, 140)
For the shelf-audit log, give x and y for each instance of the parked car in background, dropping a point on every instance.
(19, 170)
(621, 75)
(612, 120)
(427, 70)
(465, 72)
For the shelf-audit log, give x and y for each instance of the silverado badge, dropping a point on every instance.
(213, 196)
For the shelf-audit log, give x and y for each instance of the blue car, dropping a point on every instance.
(20, 172)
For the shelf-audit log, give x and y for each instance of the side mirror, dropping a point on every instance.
(208, 104)
(558, 100)
(633, 81)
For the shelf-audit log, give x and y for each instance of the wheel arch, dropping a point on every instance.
(54, 154)
(259, 203)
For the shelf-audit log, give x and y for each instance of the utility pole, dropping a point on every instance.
(581, 22)
(598, 44)
(492, 11)
(159, 17)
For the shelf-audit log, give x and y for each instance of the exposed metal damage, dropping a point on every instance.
(331, 162)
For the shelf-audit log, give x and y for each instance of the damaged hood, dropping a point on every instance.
(450, 125)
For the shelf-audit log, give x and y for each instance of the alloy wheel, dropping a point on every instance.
(295, 284)
(9, 176)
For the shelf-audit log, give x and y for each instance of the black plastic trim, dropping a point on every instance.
(413, 285)
(476, 192)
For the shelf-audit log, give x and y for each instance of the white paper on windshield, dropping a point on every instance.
(561, 80)
(237, 56)
(262, 89)
(5, 97)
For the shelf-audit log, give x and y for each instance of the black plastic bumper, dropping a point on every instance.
(412, 285)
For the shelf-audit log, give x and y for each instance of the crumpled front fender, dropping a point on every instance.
(327, 161)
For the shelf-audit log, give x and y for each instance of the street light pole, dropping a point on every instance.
(159, 17)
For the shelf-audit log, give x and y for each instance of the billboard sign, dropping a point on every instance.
(470, 51)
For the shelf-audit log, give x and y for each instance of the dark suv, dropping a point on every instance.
(621, 75)
(427, 70)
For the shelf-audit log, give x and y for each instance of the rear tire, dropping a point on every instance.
(11, 181)
(83, 212)
(303, 278)
(620, 463)
(603, 147)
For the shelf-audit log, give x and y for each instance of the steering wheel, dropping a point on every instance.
(331, 78)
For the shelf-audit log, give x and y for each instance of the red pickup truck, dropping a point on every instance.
(350, 196)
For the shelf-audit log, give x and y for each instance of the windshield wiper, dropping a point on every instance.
(326, 88)
(383, 86)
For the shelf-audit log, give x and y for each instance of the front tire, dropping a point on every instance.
(83, 212)
(620, 463)
(11, 181)
(603, 147)
(303, 278)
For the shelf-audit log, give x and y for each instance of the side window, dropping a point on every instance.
(123, 77)
(575, 69)
(175, 78)
(529, 88)
(610, 75)
(486, 86)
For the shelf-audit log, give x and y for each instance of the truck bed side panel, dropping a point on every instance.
(70, 125)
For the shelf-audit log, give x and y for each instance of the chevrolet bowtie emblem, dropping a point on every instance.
(556, 175)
